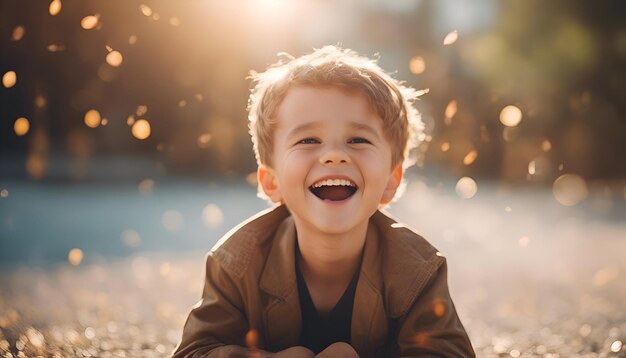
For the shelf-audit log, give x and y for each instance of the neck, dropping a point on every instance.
(330, 259)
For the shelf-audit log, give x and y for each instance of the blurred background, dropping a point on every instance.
(124, 156)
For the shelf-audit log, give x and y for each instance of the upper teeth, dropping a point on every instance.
(333, 182)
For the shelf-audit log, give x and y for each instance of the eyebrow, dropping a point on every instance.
(365, 128)
(301, 128)
(354, 125)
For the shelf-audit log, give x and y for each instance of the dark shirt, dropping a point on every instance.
(319, 331)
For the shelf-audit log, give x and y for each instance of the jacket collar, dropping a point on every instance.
(283, 317)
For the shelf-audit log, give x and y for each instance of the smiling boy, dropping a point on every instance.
(325, 273)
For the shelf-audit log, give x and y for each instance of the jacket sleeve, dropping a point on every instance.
(216, 326)
(431, 327)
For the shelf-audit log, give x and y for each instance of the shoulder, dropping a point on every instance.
(409, 263)
(239, 247)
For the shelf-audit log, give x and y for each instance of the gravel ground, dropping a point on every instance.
(529, 279)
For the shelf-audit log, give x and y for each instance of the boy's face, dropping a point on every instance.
(331, 161)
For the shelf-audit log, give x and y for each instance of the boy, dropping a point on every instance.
(325, 272)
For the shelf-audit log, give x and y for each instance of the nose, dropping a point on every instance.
(334, 156)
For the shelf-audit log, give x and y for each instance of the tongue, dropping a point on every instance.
(334, 193)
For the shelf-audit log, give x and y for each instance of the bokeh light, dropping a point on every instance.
(89, 22)
(466, 188)
(18, 33)
(451, 38)
(130, 238)
(439, 308)
(417, 65)
(524, 241)
(145, 10)
(36, 166)
(570, 189)
(450, 111)
(21, 126)
(141, 129)
(204, 140)
(92, 118)
(146, 186)
(9, 79)
(470, 157)
(75, 256)
(4, 193)
(141, 110)
(510, 116)
(55, 7)
(212, 216)
(114, 58)
(172, 220)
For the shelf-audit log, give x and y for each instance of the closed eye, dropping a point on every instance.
(308, 141)
(358, 140)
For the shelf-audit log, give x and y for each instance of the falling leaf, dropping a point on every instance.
(55, 7)
(510, 116)
(9, 79)
(451, 38)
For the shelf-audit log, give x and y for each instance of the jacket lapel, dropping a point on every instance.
(282, 316)
(369, 321)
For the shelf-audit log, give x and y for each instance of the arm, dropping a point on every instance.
(431, 327)
(216, 326)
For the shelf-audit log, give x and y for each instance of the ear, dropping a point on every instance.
(395, 179)
(269, 183)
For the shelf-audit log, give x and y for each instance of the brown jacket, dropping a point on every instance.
(402, 306)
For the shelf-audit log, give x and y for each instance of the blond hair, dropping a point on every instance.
(339, 68)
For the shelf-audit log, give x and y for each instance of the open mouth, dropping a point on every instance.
(333, 189)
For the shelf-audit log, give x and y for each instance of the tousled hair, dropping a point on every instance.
(332, 66)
